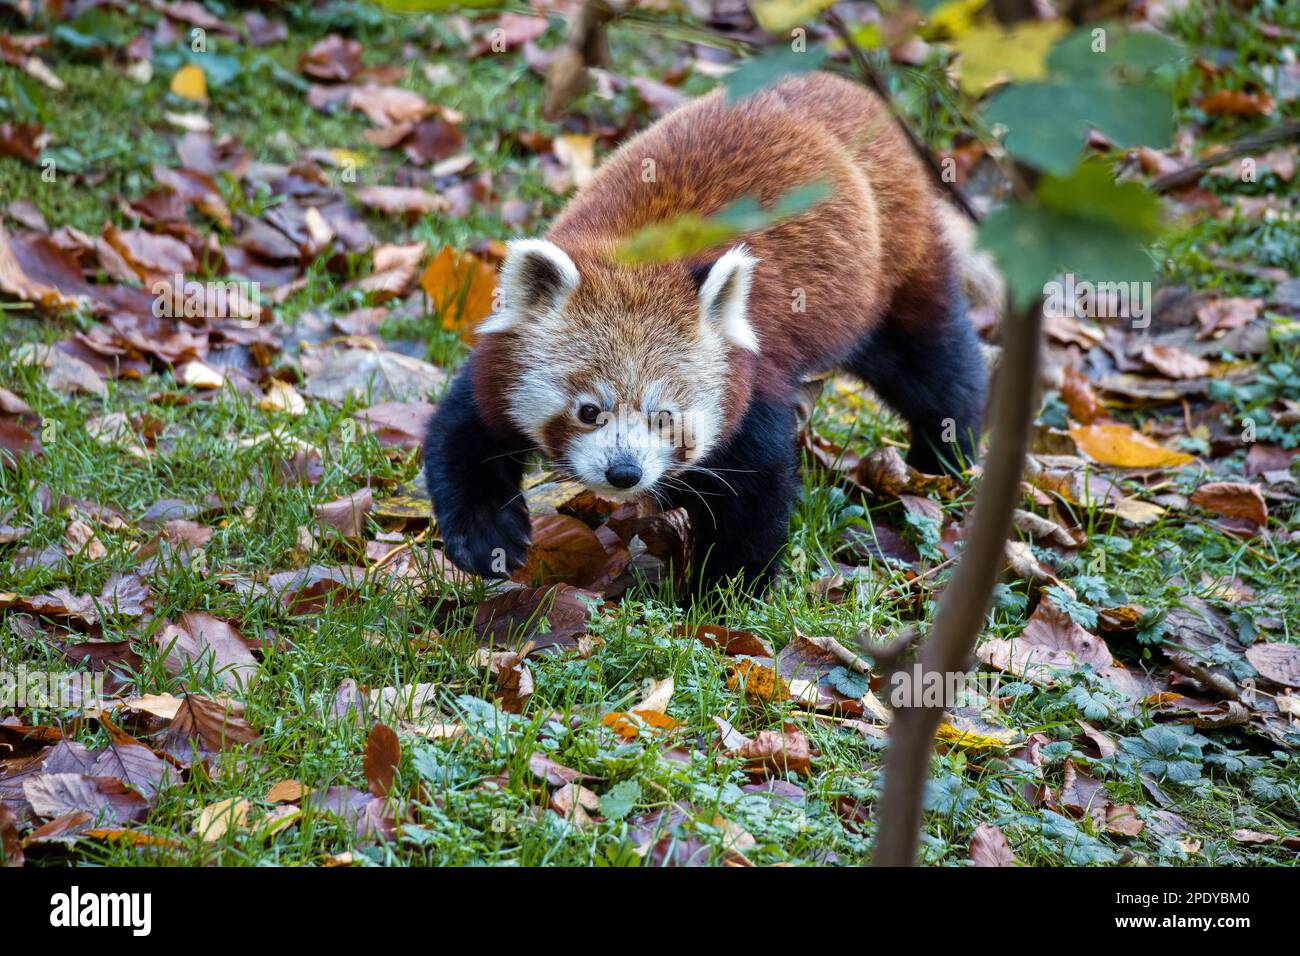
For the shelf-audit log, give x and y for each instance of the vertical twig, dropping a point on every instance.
(949, 646)
(871, 77)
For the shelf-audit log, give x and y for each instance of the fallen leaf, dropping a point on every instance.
(218, 819)
(989, 847)
(1237, 500)
(773, 752)
(1175, 362)
(461, 288)
(1280, 663)
(1112, 443)
(383, 754)
(190, 83)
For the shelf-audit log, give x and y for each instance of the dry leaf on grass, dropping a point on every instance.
(1111, 443)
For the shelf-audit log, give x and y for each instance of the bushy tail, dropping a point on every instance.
(977, 272)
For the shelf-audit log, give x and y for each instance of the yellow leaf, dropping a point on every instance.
(190, 83)
(991, 53)
(217, 819)
(953, 18)
(759, 682)
(966, 733)
(578, 152)
(1136, 511)
(461, 287)
(342, 157)
(780, 16)
(1111, 443)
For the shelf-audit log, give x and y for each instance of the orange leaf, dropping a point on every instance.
(461, 287)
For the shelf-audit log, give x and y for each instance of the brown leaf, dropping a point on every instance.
(1224, 314)
(514, 679)
(546, 616)
(408, 201)
(1278, 662)
(564, 551)
(387, 105)
(771, 752)
(202, 641)
(11, 845)
(1237, 103)
(383, 755)
(989, 847)
(400, 424)
(316, 586)
(393, 271)
(555, 774)
(347, 515)
(22, 140)
(432, 140)
(1171, 361)
(1235, 500)
(205, 727)
(333, 58)
(726, 640)
(152, 256)
(1104, 744)
(36, 270)
(1050, 642)
(107, 799)
(1077, 393)
(575, 803)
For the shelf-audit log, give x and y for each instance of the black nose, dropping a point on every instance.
(623, 474)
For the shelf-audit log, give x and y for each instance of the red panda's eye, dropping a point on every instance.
(588, 413)
(661, 420)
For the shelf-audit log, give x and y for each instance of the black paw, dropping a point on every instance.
(491, 542)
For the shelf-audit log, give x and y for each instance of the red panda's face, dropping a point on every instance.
(622, 373)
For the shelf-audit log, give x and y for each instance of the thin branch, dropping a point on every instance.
(1238, 147)
(871, 77)
(962, 609)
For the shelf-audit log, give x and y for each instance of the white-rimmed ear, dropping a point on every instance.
(536, 279)
(724, 298)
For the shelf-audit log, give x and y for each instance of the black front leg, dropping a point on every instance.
(739, 500)
(473, 477)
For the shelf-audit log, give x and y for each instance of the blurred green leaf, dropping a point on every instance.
(1046, 122)
(1091, 192)
(767, 68)
(1034, 243)
(691, 233)
(1127, 53)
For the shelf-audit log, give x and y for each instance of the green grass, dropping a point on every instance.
(457, 815)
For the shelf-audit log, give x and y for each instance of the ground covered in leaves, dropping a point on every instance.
(210, 500)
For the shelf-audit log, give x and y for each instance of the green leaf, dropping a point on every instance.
(1091, 192)
(690, 233)
(1046, 122)
(1119, 53)
(762, 71)
(849, 683)
(620, 799)
(1033, 243)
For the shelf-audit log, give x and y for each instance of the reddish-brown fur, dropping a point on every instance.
(858, 256)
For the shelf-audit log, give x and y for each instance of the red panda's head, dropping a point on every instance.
(621, 373)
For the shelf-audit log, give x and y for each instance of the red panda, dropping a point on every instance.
(678, 379)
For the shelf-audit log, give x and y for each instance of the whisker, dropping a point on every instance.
(712, 473)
